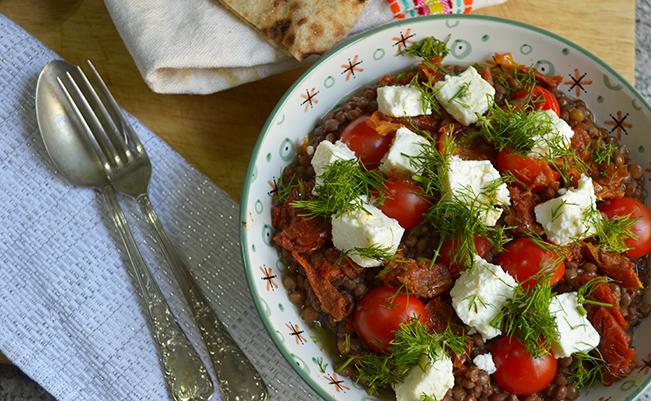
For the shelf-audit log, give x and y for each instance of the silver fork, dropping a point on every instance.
(129, 170)
(185, 374)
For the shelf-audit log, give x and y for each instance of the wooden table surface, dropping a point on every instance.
(216, 133)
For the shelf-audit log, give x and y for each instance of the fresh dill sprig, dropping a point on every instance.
(402, 74)
(322, 365)
(460, 222)
(284, 189)
(611, 233)
(427, 95)
(460, 94)
(584, 292)
(428, 48)
(345, 186)
(586, 369)
(546, 245)
(519, 129)
(525, 80)
(433, 166)
(521, 80)
(457, 217)
(413, 340)
(526, 316)
(603, 152)
(475, 301)
(513, 128)
(375, 251)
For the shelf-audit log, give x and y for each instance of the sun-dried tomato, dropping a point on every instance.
(305, 236)
(332, 301)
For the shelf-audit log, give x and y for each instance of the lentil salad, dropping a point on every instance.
(439, 245)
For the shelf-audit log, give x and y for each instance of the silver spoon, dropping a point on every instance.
(73, 154)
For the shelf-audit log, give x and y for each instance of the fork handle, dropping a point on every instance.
(237, 377)
(185, 375)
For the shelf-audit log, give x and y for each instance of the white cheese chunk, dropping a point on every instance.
(401, 101)
(555, 140)
(399, 159)
(427, 378)
(465, 96)
(480, 293)
(575, 332)
(327, 153)
(365, 228)
(568, 218)
(473, 183)
(485, 362)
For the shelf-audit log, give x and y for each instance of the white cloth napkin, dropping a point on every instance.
(68, 314)
(197, 46)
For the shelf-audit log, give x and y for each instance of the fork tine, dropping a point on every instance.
(96, 129)
(130, 135)
(112, 131)
(84, 124)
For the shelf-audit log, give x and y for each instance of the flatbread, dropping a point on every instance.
(301, 27)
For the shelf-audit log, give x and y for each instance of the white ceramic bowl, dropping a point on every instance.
(473, 38)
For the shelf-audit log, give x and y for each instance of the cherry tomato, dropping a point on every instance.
(542, 99)
(533, 173)
(404, 202)
(522, 259)
(517, 371)
(624, 206)
(381, 312)
(367, 144)
(449, 249)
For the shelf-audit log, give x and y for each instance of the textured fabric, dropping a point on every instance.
(197, 46)
(68, 314)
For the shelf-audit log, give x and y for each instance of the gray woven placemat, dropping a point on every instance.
(14, 386)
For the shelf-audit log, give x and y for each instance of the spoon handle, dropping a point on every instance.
(238, 378)
(184, 372)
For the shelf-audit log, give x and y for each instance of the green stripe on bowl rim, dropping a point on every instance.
(334, 51)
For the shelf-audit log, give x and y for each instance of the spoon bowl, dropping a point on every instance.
(73, 153)
(69, 149)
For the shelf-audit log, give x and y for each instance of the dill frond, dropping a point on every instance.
(433, 166)
(322, 365)
(512, 128)
(375, 251)
(285, 186)
(584, 292)
(427, 95)
(346, 186)
(428, 48)
(603, 152)
(460, 94)
(587, 368)
(412, 340)
(526, 316)
(611, 233)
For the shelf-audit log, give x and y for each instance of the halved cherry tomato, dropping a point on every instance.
(533, 173)
(449, 248)
(367, 144)
(517, 371)
(522, 259)
(404, 202)
(542, 99)
(381, 312)
(624, 206)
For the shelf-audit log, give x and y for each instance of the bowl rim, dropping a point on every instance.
(244, 198)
